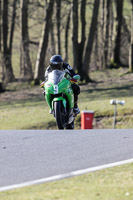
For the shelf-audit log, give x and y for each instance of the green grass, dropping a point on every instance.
(32, 112)
(109, 184)
(35, 115)
(25, 115)
(22, 110)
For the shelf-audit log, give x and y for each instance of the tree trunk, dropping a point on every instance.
(9, 76)
(0, 30)
(52, 40)
(119, 10)
(97, 50)
(83, 38)
(107, 31)
(90, 41)
(66, 35)
(1, 71)
(12, 25)
(111, 32)
(25, 63)
(39, 68)
(78, 47)
(75, 33)
(58, 16)
(1, 88)
(126, 29)
(102, 33)
(131, 46)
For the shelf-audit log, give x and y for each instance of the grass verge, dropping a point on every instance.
(109, 184)
(23, 106)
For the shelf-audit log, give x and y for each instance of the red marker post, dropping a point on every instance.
(87, 119)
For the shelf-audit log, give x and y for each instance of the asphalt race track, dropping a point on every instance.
(27, 155)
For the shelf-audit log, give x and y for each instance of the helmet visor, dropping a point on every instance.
(56, 66)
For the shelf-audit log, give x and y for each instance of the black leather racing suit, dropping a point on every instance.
(68, 69)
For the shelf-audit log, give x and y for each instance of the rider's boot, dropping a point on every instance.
(76, 108)
(50, 111)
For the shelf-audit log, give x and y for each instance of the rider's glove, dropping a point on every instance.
(75, 78)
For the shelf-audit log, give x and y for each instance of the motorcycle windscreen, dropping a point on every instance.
(55, 76)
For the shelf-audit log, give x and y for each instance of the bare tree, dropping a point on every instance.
(39, 68)
(7, 48)
(119, 18)
(66, 34)
(52, 40)
(25, 63)
(106, 33)
(1, 73)
(83, 37)
(131, 45)
(90, 41)
(106, 44)
(0, 38)
(102, 33)
(78, 47)
(0, 29)
(58, 17)
(75, 32)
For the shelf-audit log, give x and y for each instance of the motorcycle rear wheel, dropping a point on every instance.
(60, 118)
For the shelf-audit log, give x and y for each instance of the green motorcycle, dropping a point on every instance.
(60, 98)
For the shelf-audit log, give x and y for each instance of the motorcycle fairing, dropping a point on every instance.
(58, 84)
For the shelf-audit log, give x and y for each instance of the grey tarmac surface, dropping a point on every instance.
(27, 155)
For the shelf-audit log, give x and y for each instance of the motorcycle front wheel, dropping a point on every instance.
(60, 118)
(70, 126)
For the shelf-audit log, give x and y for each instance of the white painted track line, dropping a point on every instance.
(67, 175)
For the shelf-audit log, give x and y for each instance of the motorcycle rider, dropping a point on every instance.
(56, 62)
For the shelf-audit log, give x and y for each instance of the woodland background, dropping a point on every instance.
(89, 34)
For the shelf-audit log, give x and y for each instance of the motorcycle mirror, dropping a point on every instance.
(77, 77)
